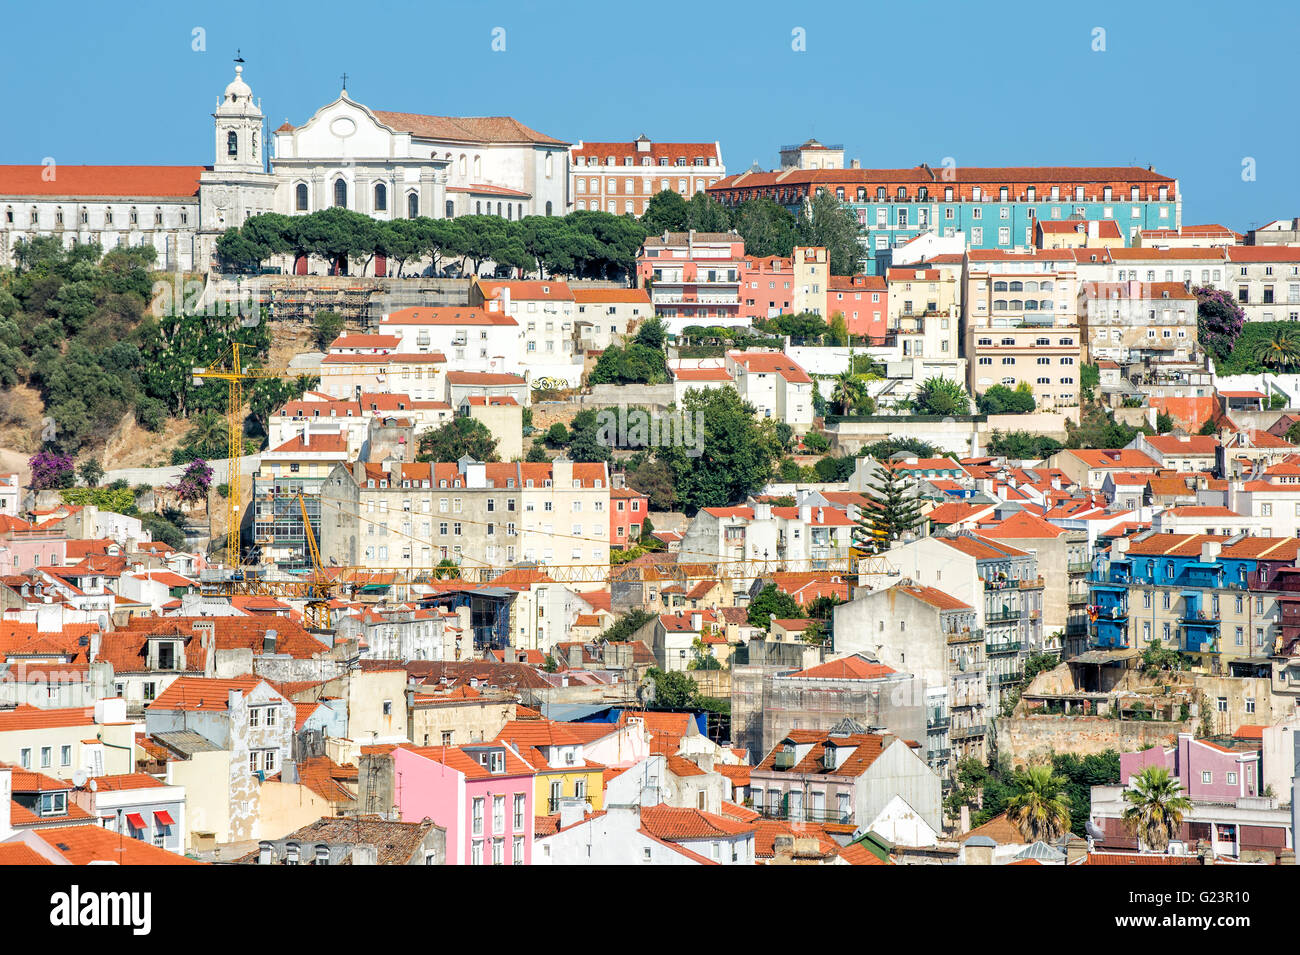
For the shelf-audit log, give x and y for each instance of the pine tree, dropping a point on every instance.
(896, 513)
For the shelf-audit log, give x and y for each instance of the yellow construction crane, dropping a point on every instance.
(234, 374)
(320, 594)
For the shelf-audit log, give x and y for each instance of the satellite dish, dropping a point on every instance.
(79, 778)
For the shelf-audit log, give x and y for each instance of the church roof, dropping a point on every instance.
(114, 181)
(465, 129)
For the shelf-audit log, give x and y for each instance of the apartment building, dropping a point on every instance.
(1078, 234)
(1133, 321)
(996, 208)
(1046, 358)
(296, 467)
(622, 177)
(936, 637)
(1265, 281)
(545, 313)
(421, 375)
(607, 316)
(694, 278)
(775, 385)
(471, 338)
(399, 516)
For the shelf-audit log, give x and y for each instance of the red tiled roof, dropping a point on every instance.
(200, 693)
(82, 845)
(673, 824)
(465, 129)
(106, 181)
(846, 668)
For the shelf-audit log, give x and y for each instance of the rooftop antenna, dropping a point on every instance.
(238, 58)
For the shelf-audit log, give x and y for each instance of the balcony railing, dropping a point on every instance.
(1006, 646)
(1011, 676)
(1007, 617)
(1081, 567)
(807, 814)
(938, 755)
(935, 722)
(974, 635)
(966, 732)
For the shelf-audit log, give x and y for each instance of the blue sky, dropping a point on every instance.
(1193, 88)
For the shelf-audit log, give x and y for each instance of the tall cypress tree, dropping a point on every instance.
(896, 513)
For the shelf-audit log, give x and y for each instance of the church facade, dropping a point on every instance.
(387, 165)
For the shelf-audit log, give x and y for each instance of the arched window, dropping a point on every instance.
(1045, 286)
(135, 216)
(1031, 305)
(519, 211)
(1017, 305)
(1017, 287)
(412, 205)
(450, 209)
(301, 191)
(550, 165)
(498, 208)
(902, 192)
(923, 193)
(880, 192)
(341, 193)
(999, 286)
(999, 305)
(548, 207)
(510, 209)
(478, 207)
(232, 143)
(1031, 286)
(462, 164)
(381, 197)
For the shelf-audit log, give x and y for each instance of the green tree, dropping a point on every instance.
(999, 399)
(326, 326)
(1089, 380)
(1156, 805)
(1280, 351)
(665, 212)
(706, 214)
(652, 333)
(536, 453)
(656, 479)
(831, 224)
(849, 392)
(625, 626)
(92, 472)
(1040, 809)
(897, 510)
(1164, 422)
(1022, 446)
(942, 397)
(767, 228)
(770, 603)
(888, 447)
(457, 438)
(737, 456)
(673, 691)
(557, 436)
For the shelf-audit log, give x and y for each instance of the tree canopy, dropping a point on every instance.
(457, 438)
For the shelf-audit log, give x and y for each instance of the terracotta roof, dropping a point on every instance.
(674, 824)
(935, 598)
(82, 845)
(397, 842)
(17, 853)
(328, 779)
(1135, 858)
(105, 181)
(1022, 524)
(852, 667)
(981, 548)
(865, 748)
(199, 693)
(858, 854)
(127, 781)
(25, 718)
(450, 315)
(766, 832)
(598, 296)
(465, 129)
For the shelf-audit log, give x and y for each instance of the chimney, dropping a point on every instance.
(1093, 228)
(696, 618)
(365, 855)
(979, 850)
(1210, 551)
(265, 855)
(805, 513)
(505, 299)
(1075, 850)
(572, 810)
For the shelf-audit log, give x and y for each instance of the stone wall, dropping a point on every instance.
(1021, 739)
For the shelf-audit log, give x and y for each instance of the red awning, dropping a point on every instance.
(163, 818)
(135, 820)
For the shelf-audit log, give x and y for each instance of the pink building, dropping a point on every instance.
(693, 274)
(767, 286)
(627, 512)
(482, 794)
(1207, 771)
(24, 546)
(863, 300)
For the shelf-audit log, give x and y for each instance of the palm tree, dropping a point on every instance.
(1280, 350)
(1156, 807)
(1039, 809)
(849, 391)
(208, 433)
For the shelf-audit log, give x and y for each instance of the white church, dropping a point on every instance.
(384, 164)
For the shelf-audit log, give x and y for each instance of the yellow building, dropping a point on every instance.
(556, 753)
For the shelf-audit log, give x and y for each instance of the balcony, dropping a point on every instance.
(1009, 616)
(806, 814)
(975, 635)
(966, 732)
(1011, 676)
(938, 756)
(1082, 567)
(1003, 647)
(937, 720)
(1077, 599)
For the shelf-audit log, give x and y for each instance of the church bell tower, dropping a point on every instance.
(239, 146)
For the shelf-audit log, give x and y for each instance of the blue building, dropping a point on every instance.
(994, 207)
